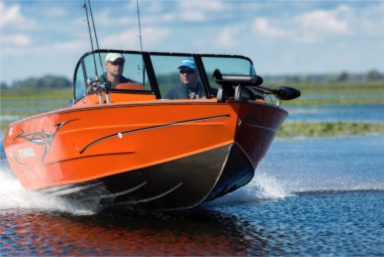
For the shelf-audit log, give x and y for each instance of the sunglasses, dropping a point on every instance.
(120, 63)
(187, 71)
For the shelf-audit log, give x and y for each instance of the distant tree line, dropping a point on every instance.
(32, 84)
(57, 82)
(371, 75)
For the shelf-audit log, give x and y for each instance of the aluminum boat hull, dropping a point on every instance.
(152, 153)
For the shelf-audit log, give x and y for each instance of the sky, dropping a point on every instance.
(43, 37)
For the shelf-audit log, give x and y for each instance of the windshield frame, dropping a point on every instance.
(146, 56)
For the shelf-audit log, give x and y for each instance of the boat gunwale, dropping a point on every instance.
(140, 103)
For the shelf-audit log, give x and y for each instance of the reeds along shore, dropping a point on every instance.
(328, 129)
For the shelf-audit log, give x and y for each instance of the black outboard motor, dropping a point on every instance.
(239, 87)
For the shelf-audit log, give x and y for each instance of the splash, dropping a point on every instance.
(263, 186)
(14, 198)
(269, 187)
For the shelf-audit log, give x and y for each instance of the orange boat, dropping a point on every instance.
(128, 145)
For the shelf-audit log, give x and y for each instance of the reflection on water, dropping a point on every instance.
(309, 197)
(34, 224)
(125, 234)
(346, 224)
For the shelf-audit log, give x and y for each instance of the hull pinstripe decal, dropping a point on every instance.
(151, 128)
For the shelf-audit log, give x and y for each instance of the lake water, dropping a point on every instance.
(341, 112)
(309, 197)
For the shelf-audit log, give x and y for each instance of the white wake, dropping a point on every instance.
(13, 197)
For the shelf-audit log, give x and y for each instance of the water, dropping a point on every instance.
(337, 112)
(309, 197)
(339, 95)
(13, 110)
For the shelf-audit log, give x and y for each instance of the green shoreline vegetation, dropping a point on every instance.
(340, 101)
(328, 129)
(30, 95)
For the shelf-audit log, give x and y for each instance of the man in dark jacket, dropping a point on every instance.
(114, 65)
(189, 87)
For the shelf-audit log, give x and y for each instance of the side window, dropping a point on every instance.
(227, 65)
(80, 80)
(134, 69)
(177, 76)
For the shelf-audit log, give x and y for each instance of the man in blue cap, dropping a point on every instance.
(189, 87)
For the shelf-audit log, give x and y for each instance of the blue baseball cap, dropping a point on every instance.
(187, 63)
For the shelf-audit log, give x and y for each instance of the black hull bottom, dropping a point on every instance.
(180, 184)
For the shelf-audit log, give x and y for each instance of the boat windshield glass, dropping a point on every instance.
(119, 71)
(174, 73)
(227, 65)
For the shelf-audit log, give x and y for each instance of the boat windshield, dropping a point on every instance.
(156, 73)
(94, 68)
(226, 65)
(171, 71)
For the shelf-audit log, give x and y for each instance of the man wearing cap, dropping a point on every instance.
(114, 65)
(189, 87)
